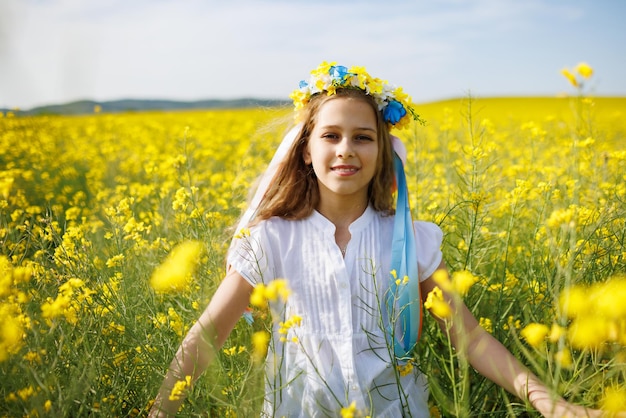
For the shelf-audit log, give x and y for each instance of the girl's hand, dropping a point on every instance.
(560, 408)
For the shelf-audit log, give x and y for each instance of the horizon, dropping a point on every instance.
(286, 101)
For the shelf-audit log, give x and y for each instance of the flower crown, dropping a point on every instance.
(395, 104)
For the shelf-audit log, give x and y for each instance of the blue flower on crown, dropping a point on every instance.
(338, 73)
(393, 112)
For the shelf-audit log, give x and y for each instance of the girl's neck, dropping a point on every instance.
(342, 213)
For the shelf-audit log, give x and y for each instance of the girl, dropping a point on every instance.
(326, 223)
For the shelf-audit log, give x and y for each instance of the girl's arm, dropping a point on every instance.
(491, 359)
(207, 335)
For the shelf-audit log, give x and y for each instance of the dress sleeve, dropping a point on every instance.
(250, 256)
(428, 239)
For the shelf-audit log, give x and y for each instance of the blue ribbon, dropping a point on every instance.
(404, 303)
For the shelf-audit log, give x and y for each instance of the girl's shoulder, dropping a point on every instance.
(428, 240)
(427, 228)
(421, 228)
(428, 234)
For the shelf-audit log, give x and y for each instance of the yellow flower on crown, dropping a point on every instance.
(361, 76)
(375, 86)
(299, 98)
(400, 95)
(323, 69)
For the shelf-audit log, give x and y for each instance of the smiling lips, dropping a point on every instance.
(344, 170)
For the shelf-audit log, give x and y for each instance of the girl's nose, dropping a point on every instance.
(344, 148)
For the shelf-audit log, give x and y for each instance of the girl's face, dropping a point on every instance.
(343, 149)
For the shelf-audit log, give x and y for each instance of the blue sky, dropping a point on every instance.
(54, 51)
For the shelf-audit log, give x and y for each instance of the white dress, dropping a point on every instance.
(340, 355)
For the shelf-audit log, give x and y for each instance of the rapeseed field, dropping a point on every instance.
(114, 230)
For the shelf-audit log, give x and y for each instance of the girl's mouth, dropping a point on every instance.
(344, 170)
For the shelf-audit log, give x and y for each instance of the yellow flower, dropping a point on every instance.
(180, 388)
(560, 217)
(26, 393)
(404, 280)
(564, 358)
(405, 369)
(584, 70)
(176, 322)
(535, 334)
(67, 301)
(115, 261)
(243, 232)
(361, 75)
(230, 351)
(435, 412)
(556, 332)
(437, 305)
(323, 68)
(174, 274)
(587, 332)
(271, 291)
(5, 186)
(120, 358)
(574, 301)
(614, 400)
(284, 327)
(442, 278)
(230, 413)
(462, 281)
(486, 324)
(299, 98)
(608, 298)
(376, 86)
(32, 357)
(261, 294)
(511, 280)
(11, 331)
(257, 298)
(570, 77)
(260, 339)
(72, 214)
(512, 322)
(349, 411)
(401, 96)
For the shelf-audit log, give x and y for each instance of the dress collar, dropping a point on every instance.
(321, 222)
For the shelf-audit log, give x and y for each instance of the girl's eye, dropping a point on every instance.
(364, 138)
(330, 136)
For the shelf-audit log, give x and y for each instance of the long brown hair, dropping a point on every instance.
(294, 191)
